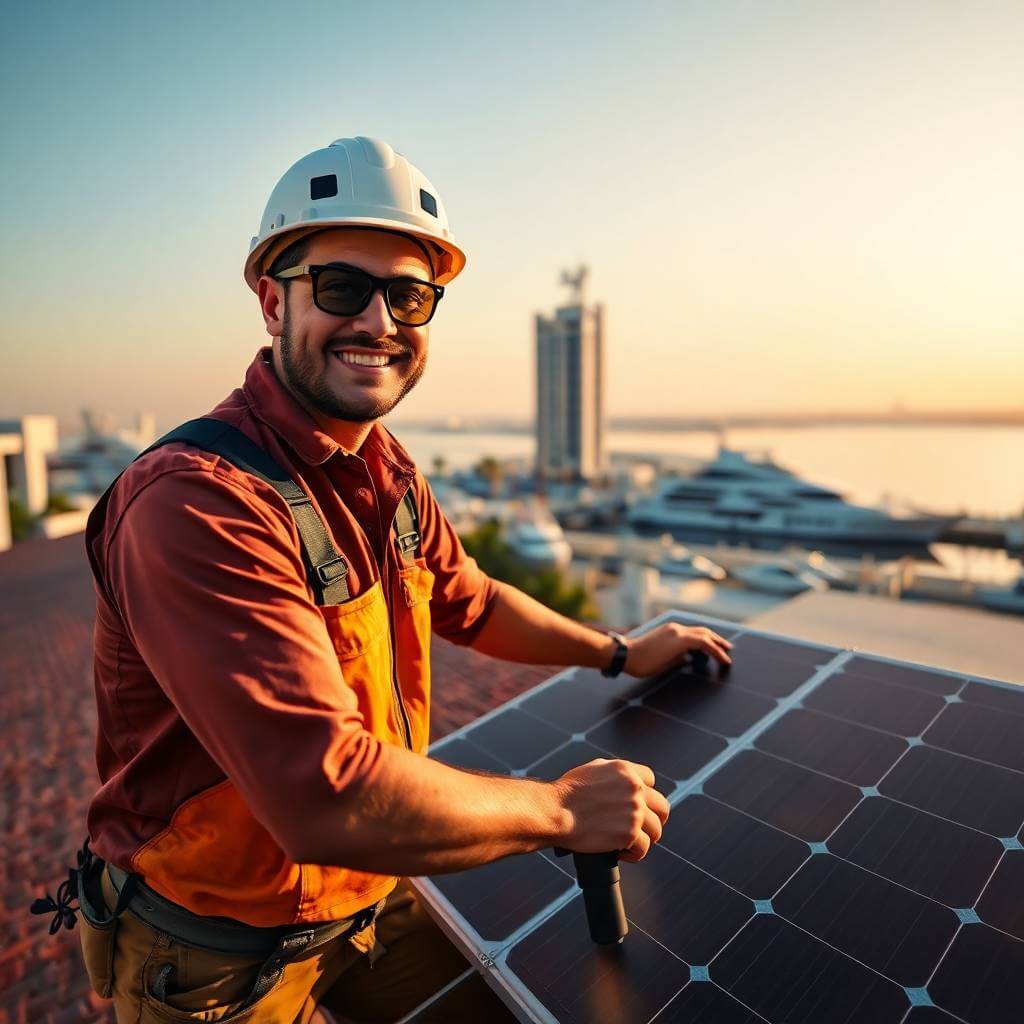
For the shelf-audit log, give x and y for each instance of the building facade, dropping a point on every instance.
(570, 388)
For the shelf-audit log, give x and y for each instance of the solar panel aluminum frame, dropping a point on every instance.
(489, 958)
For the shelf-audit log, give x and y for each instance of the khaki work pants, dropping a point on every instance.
(377, 975)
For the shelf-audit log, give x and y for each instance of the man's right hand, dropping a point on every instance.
(611, 805)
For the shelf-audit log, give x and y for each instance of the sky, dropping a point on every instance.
(785, 206)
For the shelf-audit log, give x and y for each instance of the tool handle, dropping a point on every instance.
(597, 874)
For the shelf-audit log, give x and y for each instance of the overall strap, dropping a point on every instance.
(407, 526)
(326, 569)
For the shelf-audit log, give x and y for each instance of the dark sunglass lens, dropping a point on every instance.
(411, 302)
(343, 291)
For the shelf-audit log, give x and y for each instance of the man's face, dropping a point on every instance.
(312, 343)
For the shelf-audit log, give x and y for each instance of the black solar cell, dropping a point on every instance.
(1002, 904)
(686, 910)
(895, 709)
(884, 926)
(946, 862)
(718, 706)
(500, 897)
(801, 802)
(516, 738)
(704, 1003)
(970, 792)
(581, 983)
(787, 975)
(979, 979)
(985, 733)
(743, 852)
(646, 737)
(829, 745)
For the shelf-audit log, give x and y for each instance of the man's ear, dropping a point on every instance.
(271, 296)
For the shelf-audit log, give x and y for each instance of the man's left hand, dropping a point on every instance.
(668, 645)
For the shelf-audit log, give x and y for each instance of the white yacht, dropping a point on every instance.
(680, 561)
(740, 496)
(779, 577)
(538, 540)
(1002, 599)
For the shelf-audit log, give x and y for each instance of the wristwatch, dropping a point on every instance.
(618, 662)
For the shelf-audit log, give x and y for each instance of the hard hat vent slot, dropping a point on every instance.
(428, 202)
(323, 187)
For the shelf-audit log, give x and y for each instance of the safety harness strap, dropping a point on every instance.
(326, 569)
(407, 526)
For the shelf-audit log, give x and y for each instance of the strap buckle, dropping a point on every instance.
(330, 572)
(408, 541)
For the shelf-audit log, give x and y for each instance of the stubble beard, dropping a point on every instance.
(307, 380)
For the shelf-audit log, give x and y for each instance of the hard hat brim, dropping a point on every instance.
(451, 254)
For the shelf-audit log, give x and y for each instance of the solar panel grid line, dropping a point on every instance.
(925, 682)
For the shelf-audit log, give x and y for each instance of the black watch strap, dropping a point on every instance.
(618, 662)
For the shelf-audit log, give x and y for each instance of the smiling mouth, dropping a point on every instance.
(367, 360)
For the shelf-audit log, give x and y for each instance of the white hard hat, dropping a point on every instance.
(357, 183)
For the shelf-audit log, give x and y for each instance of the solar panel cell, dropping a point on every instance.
(994, 697)
(970, 792)
(882, 925)
(574, 704)
(576, 753)
(500, 897)
(463, 754)
(842, 749)
(870, 702)
(793, 799)
(706, 702)
(750, 647)
(581, 983)
(767, 675)
(641, 735)
(937, 858)
(929, 1015)
(979, 978)
(747, 854)
(517, 738)
(686, 910)
(985, 733)
(1002, 905)
(940, 683)
(787, 975)
(704, 1003)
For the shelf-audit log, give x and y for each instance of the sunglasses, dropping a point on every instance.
(346, 291)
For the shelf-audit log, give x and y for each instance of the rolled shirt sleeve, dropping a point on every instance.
(207, 573)
(464, 594)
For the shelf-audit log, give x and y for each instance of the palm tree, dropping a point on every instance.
(491, 470)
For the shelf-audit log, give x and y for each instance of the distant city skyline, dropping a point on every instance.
(787, 207)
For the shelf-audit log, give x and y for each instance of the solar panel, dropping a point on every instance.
(845, 845)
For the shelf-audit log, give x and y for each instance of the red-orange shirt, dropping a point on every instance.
(215, 670)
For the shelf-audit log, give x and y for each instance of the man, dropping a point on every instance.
(264, 706)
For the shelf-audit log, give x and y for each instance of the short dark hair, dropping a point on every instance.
(291, 255)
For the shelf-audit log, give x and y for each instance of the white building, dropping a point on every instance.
(24, 446)
(570, 388)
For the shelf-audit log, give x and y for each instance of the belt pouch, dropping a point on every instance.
(98, 929)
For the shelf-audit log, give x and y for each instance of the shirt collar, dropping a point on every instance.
(272, 403)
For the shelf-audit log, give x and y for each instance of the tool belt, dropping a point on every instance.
(219, 934)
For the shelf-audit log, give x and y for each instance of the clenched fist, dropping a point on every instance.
(611, 805)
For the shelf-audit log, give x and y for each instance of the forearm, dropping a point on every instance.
(418, 816)
(520, 628)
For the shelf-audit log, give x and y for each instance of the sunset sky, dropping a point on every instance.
(785, 206)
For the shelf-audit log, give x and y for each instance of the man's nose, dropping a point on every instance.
(375, 319)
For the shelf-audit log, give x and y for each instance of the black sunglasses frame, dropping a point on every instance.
(379, 284)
